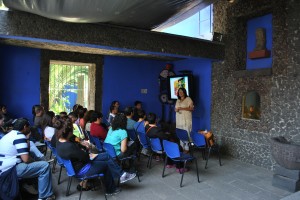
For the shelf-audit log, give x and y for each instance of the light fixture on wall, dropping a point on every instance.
(230, 1)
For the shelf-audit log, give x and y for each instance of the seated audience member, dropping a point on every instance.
(87, 120)
(76, 109)
(136, 109)
(113, 111)
(81, 114)
(139, 126)
(152, 131)
(128, 111)
(115, 103)
(7, 119)
(47, 126)
(77, 129)
(97, 128)
(39, 112)
(118, 138)
(100, 163)
(63, 114)
(14, 148)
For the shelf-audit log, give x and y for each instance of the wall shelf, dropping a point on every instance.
(252, 73)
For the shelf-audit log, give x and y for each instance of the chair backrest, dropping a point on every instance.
(182, 134)
(110, 150)
(69, 167)
(96, 141)
(59, 159)
(155, 144)
(48, 143)
(70, 170)
(143, 139)
(198, 139)
(171, 149)
(132, 134)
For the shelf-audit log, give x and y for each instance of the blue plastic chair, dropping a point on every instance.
(156, 148)
(80, 175)
(48, 144)
(112, 153)
(98, 143)
(198, 143)
(183, 136)
(143, 139)
(172, 151)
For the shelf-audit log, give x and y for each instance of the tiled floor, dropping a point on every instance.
(234, 180)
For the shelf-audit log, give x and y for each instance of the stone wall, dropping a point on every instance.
(248, 140)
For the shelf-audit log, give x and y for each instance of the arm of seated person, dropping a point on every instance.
(26, 158)
(124, 145)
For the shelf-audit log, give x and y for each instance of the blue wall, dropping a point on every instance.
(252, 25)
(123, 79)
(20, 79)
(201, 69)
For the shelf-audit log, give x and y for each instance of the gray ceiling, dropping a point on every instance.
(141, 14)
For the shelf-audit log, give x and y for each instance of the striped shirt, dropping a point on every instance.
(12, 146)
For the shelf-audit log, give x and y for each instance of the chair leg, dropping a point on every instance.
(59, 175)
(182, 174)
(197, 170)
(150, 161)
(69, 186)
(203, 154)
(163, 173)
(219, 156)
(80, 191)
(135, 169)
(54, 165)
(102, 185)
(207, 157)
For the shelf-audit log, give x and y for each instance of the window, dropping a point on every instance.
(199, 25)
(2, 6)
(68, 85)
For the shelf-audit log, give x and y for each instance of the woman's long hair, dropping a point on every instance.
(119, 122)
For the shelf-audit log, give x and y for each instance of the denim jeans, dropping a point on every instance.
(41, 170)
(103, 163)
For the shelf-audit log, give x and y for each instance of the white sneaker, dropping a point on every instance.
(127, 177)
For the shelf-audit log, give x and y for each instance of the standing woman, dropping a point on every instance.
(183, 108)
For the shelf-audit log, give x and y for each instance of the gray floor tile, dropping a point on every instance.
(234, 180)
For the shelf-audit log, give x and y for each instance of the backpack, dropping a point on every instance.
(9, 184)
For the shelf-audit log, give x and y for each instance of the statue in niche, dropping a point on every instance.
(260, 35)
(260, 50)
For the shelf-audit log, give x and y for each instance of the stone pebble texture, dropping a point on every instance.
(249, 140)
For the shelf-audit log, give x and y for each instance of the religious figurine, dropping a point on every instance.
(260, 34)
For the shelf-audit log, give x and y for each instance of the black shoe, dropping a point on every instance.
(117, 191)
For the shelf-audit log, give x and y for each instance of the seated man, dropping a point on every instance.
(14, 150)
(113, 111)
(128, 111)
